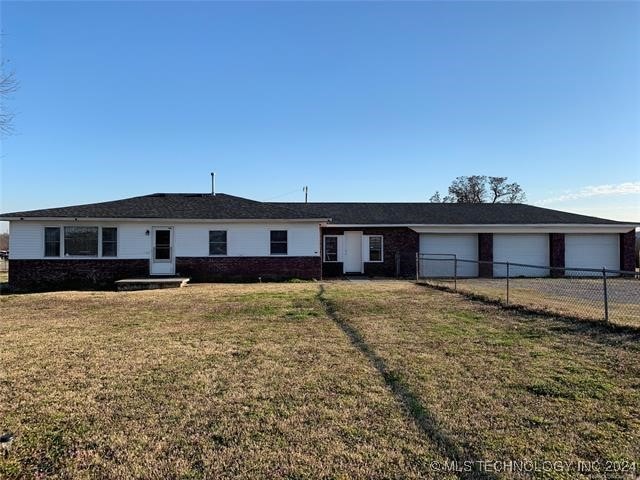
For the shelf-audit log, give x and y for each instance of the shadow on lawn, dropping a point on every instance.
(598, 331)
(423, 418)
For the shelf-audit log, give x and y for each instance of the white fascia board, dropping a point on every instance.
(534, 228)
(164, 220)
(503, 228)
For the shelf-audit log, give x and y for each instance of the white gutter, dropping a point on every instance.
(164, 220)
(506, 228)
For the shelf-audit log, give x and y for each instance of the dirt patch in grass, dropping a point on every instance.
(371, 380)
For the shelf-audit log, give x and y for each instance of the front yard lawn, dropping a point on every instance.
(343, 379)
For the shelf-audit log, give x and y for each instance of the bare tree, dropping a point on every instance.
(435, 198)
(470, 189)
(482, 189)
(8, 85)
(503, 192)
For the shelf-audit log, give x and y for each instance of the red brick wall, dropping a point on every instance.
(485, 254)
(627, 251)
(400, 241)
(556, 254)
(247, 269)
(63, 274)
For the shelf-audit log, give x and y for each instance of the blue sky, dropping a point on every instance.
(360, 101)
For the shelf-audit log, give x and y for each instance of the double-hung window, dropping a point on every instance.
(375, 248)
(109, 242)
(217, 242)
(330, 248)
(278, 242)
(52, 241)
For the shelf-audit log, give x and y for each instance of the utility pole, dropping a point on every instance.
(305, 189)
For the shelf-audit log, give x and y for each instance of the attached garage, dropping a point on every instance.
(529, 249)
(592, 251)
(463, 246)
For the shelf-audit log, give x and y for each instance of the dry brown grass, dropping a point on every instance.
(371, 380)
(570, 297)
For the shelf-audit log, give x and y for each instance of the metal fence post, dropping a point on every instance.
(507, 283)
(417, 267)
(455, 273)
(606, 297)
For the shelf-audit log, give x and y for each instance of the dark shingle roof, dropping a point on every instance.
(172, 206)
(440, 214)
(203, 206)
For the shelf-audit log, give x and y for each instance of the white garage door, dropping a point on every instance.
(592, 251)
(464, 246)
(530, 249)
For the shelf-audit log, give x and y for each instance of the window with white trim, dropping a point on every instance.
(217, 242)
(375, 248)
(278, 242)
(109, 242)
(330, 248)
(52, 241)
(81, 241)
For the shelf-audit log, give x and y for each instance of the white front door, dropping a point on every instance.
(353, 252)
(162, 258)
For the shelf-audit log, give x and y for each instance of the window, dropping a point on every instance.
(217, 242)
(52, 241)
(162, 246)
(81, 241)
(109, 242)
(330, 248)
(375, 248)
(278, 242)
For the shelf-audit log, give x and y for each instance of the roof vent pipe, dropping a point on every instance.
(213, 183)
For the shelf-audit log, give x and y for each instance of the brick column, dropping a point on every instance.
(628, 251)
(485, 254)
(556, 254)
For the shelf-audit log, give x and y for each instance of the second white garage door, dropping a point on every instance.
(464, 246)
(530, 249)
(592, 251)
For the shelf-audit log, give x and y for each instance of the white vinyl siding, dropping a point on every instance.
(247, 240)
(592, 251)
(463, 246)
(190, 239)
(529, 249)
(26, 240)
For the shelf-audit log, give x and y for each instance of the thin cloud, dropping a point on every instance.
(626, 188)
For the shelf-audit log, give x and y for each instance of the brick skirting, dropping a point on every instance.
(247, 269)
(63, 274)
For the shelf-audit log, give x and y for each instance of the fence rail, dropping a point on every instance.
(591, 293)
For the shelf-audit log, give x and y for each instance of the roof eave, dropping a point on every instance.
(10, 218)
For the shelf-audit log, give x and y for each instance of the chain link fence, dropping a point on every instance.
(589, 293)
